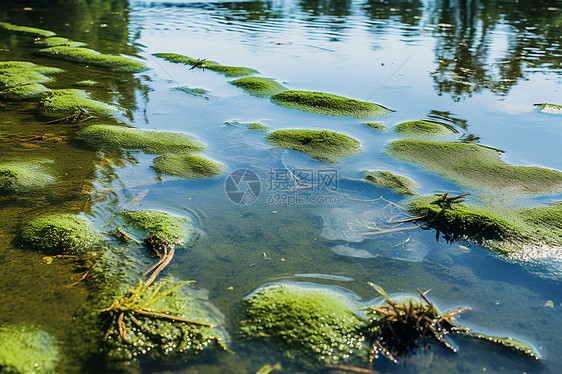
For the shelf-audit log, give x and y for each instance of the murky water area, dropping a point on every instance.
(478, 66)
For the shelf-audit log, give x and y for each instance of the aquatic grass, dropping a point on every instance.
(386, 179)
(423, 129)
(25, 30)
(92, 57)
(186, 166)
(229, 71)
(258, 86)
(65, 102)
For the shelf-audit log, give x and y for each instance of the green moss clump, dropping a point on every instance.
(186, 166)
(22, 177)
(377, 126)
(17, 73)
(400, 184)
(26, 30)
(423, 129)
(174, 230)
(57, 41)
(312, 326)
(477, 167)
(328, 104)
(256, 126)
(27, 349)
(201, 92)
(258, 86)
(91, 57)
(229, 71)
(547, 217)
(63, 103)
(321, 144)
(24, 92)
(59, 233)
(87, 83)
(151, 142)
(550, 108)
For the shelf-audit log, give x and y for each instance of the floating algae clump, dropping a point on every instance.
(22, 177)
(174, 230)
(386, 179)
(477, 167)
(193, 91)
(91, 57)
(59, 233)
(423, 129)
(186, 166)
(328, 104)
(18, 73)
(312, 326)
(62, 103)
(229, 71)
(256, 126)
(27, 349)
(25, 29)
(24, 92)
(258, 86)
(57, 41)
(550, 108)
(377, 126)
(320, 144)
(151, 142)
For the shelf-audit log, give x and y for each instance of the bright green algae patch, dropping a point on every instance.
(91, 57)
(57, 41)
(174, 230)
(27, 349)
(18, 73)
(186, 166)
(63, 103)
(256, 126)
(423, 129)
(400, 184)
(22, 177)
(328, 104)
(151, 142)
(59, 233)
(377, 126)
(550, 108)
(229, 71)
(321, 144)
(25, 30)
(477, 167)
(312, 326)
(258, 86)
(24, 92)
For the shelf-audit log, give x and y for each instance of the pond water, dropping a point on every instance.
(478, 66)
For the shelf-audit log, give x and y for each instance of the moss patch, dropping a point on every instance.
(256, 126)
(87, 83)
(477, 167)
(17, 73)
(377, 126)
(402, 185)
(25, 30)
(328, 104)
(174, 230)
(63, 103)
(550, 108)
(186, 166)
(91, 57)
(201, 92)
(423, 129)
(311, 326)
(258, 86)
(57, 41)
(22, 177)
(229, 71)
(321, 144)
(59, 233)
(24, 92)
(27, 349)
(152, 142)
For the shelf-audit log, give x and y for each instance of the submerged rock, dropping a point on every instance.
(57, 41)
(109, 137)
(321, 144)
(328, 104)
(423, 129)
(91, 57)
(229, 71)
(186, 166)
(27, 349)
(258, 86)
(400, 184)
(18, 73)
(25, 29)
(22, 177)
(174, 230)
(550, 108)
(63, 103)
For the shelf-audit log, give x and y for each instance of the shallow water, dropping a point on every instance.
(476, 65)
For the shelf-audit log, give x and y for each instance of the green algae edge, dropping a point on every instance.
(259, 86)
(57, 41)
(477, 167)
(328, 104)
(256, 126)
(22, 177)
(91, 57)
(174, 230)
(30, 91)
(377, 126)
(186, 166)
(25, 30)
(57, 104)
(229, 71)
(311, 326)
(550, 108)
(19, 73)
(423, 129)
(386, 179)
(151, 142)
(323, 145)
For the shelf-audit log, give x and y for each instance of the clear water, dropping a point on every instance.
(477, 65)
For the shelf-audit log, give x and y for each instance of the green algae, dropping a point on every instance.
(201, 92)
(27, 349)
(108, 137)
(423, 129)
(328, 104)
(256, 126)
(25, 30)
(477, 167)
(59, 233)
(63, 103)
(91, 57)
(186, 166)
(18, 73)
(400, 184)
(24, 92)
(377, 126)
(550, 108)
(57, 41)
(86, 83)
(229, 71)
(258, 86)
(22, 177)
(174, 230)
(321, 144)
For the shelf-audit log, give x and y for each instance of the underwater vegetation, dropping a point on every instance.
(173, 230)
(377, 126)
(400, 184)
(186, 166)
(24, 92)
(64, 102)
(259, 86)
(256, 126)
(91, 57)
(321, 144)
(423, 129)
(25, 30)
(201, 92)
(22, 80)
(229, 71)
(23, 177)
